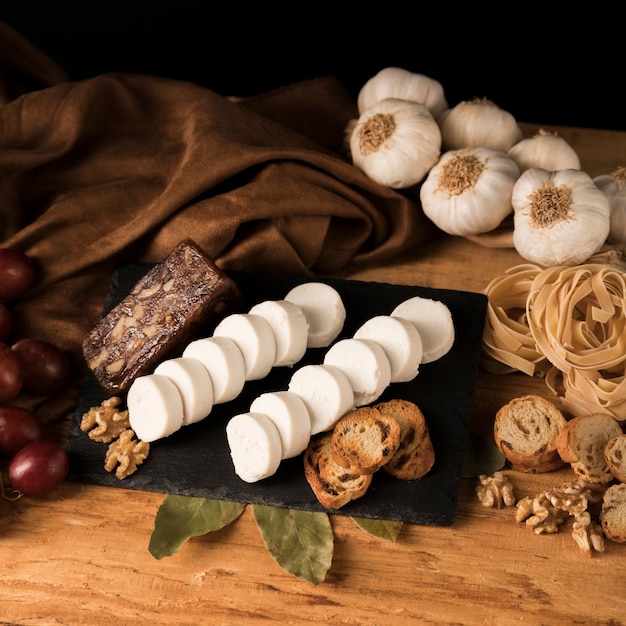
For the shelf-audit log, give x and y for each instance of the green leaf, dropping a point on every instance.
(384, 529)
(182, 517)
(481, 457)
(301, 542)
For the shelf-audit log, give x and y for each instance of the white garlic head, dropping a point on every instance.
(546, 150)
(468, 191)
(478, 122)
(395, 142)
(395, 82)
(614, 188)
(560, 217)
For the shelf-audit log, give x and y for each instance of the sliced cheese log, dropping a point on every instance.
(400, 341)
(365, 364)
(155, 407)
(326, 392)
(194, 385)
(224, 362)
(290, 416)
(433, 321)
(255, 446)
(324, 311)
(290, 329)
(254, 337)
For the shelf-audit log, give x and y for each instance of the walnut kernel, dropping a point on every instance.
(105, 422)
(126, 453)
(495, 490)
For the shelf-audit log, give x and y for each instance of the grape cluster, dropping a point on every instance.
(34, 465)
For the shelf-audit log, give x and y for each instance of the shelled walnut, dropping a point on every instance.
(126, 453)
(588, 534)
(495, 490)
(539, 513)
(105, 422)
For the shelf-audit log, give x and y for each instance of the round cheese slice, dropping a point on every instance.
(290, 329)
(254, 337)
(326, 392)
(290, 416)
(365, 364)
(155, 408)
(324, 311)
(194, 385)
(433, 321)
(255, 446)
(224, 362)
(400, 341)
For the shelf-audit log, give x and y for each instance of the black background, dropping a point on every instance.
(548, 63)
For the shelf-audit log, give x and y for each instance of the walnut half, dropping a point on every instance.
(126, 453)
(495, 490)
(105, 422)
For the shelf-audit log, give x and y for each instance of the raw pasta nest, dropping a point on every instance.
(567, 323)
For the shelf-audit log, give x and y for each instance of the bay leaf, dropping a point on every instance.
(301, 542)
(481, 457)
(182, 517)
(384, 529)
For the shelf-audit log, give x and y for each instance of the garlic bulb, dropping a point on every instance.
(469, 190)
(560, 217)
(546, 150)
(614, 188)
(395, 142)
(478, 122)
(395, 82)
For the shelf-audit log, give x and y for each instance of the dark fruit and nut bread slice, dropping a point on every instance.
(333, 485)
(581, 444)
(613, 513)
(615, 456)
(415, 456)
(364, 440)
(526, 430)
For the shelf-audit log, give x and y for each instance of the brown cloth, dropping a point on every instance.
(121, 167)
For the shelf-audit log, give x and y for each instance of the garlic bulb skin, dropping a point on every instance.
(614, 188)
(478, 122)
(546, 150)
(469, 190)
(395, 82)
(395, 142)
(560, 217)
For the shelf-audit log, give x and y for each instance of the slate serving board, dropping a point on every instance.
(196, 460)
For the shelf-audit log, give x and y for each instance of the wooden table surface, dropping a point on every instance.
(80, 556)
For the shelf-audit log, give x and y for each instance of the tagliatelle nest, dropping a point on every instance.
(572, 330)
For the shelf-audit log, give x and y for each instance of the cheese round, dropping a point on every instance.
(400, 341)
(224, 362)
(155, 407)
(365, 364)
(290, 329)
(254, 337)
(255, 446)
(433, 321)
(289, 414)
(324, 311)
(326, 392)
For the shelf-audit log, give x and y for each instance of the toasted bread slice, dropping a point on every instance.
(615, 456)
(333, 485)
(364, 440)
(613, 513)
(415, 456)
(526, 430)
(581, 444)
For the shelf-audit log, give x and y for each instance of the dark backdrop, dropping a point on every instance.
(554, 65)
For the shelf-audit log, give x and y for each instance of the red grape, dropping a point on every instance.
(45, 366)
(18, 427)
(18, 273)
(6, 322)
(38, 468)
(11, 374)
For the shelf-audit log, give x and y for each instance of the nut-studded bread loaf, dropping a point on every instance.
(526, 430)
(581, 444)
(333, 485)
(615, 456)
(613, 513)
(415, 456)
(365, 439)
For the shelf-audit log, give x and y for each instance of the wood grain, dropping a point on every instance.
(80, 556)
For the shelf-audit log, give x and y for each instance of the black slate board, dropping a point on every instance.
(196, 459)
